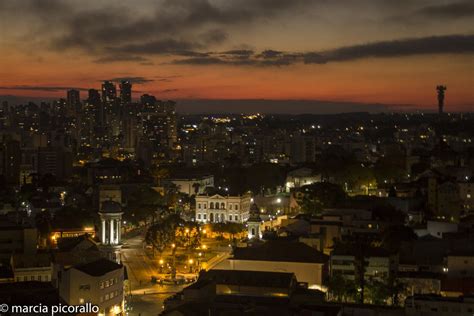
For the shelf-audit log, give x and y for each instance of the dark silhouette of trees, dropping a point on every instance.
(318, 196)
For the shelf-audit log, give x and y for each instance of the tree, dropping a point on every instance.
(387, 213)
(381, 291)
(394, 236)
(359, 246)
(389, 169)
(311, 205)
(43, 221)
(143, 203)
(318, 196)
(342, 288)
(228, 228)
(196, 187)
(159, 174)
(173, 233)
(337, 287)
(378, 292)
(396, 288)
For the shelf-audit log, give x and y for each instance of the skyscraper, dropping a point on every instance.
(73, 100)
(94, 108)
(441, 90)
(125, 92)
(10, 160)
(109, 92)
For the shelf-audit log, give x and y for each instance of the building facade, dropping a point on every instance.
(99, 283)
(222, 209)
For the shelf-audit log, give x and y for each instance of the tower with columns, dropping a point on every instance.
(111, 221)
(253, 223)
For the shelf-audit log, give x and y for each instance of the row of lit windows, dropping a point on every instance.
(109, 296)
(218, 206)
(107, 283)
(41, 278)
(211, 217)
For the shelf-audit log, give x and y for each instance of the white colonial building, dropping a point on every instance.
(219, 209)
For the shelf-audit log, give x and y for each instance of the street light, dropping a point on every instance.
(161, 265)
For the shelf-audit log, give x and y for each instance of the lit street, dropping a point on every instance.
(146, 298)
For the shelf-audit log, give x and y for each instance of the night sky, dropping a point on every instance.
(365, 51)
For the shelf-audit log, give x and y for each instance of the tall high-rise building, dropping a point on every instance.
(94, 107)
(441, 90)
(159, 122)
(125, 92)
(73, 100)
(148, 101)
(10, 160)
(94, 97)
(109, 92)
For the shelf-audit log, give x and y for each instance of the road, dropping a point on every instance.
(145, 298)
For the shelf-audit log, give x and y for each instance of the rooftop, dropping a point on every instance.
(281, 251)
(99, 267)
(250, 278)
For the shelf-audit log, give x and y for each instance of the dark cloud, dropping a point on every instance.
(201, 61)
(102, 29)
(450, 44)
(119, 32)
(169, 78)
(239, 52)
(41, 88)
(215, 36)
(266, 54)
(191, 54)
(169, 90)
(165, 46)
(121, 58)
(135, 80)
(448, 10)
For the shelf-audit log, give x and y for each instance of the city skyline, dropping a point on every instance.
(370, 55)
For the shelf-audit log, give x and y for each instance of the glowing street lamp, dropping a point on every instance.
(161, 265)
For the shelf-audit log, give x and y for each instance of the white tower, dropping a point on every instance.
(253, 223)
(111, 220)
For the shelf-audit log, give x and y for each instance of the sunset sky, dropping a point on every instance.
(361, 51)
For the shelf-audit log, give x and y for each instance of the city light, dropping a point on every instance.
(139, 176)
